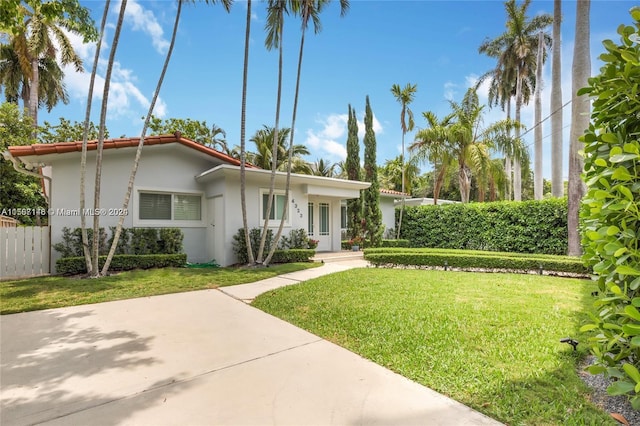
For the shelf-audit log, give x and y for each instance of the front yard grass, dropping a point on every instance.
(56, 292)
(490, 341)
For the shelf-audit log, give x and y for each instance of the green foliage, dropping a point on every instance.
(352, 164)
(469, 259)
(67, 131)
(611, 220)
(524, 227)
(297, 239)
(240, 247)
(135, 241)
(19, 193)
(293, 255)
(395, 243)
(122, 262)
(196, 130)
(373, 226)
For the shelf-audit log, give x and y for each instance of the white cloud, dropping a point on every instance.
(144, 20)
(449, 90)
(377, 127)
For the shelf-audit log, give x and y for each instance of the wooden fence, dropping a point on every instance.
(24, 251)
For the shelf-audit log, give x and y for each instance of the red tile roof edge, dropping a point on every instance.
(391, 192)
(64, 147)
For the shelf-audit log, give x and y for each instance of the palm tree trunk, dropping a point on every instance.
(136, 161)
(517, 172)
(274, 152)
(103, 116)
(403, 197)
(507, 161)
(243, 146)
(579, 122)
(465, 183)
(83, 156)
(557, 184)
(33, 93)
(537, 174)
(438, 183)
(293, 127)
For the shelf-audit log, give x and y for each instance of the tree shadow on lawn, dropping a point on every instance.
(54, 363)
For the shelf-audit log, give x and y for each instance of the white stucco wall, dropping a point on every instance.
(388, 212)
(162, 168)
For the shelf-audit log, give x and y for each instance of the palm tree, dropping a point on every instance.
(276, 10)
(243, 127)
(263, 140)
(404, 96)
(136, 161)
(579, 122)
(432, 145)
(324, 168)
(537, 172)
(307, 10)
(557, 184)
(34, 41)
(516, 49)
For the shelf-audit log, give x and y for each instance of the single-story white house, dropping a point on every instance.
(185, 185)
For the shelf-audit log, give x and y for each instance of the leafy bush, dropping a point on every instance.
(297, 239)
(474, 259)
(508, 226)
(122, 262)
(131, 241)
(71, 244)
(292, 255)
(240, 246)
(610, 223)
(395, 243)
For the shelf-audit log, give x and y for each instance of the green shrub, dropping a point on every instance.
(474, 259)
(297, 239)
(610, 223)
(292, 255)
(71, 244)
(240, 246)
(131, 241)
(395, 243)
(122, 262)
(508, 226)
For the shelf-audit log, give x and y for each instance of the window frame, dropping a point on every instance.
(172, 223)
(273, 222)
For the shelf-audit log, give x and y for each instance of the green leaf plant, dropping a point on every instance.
(610, 215)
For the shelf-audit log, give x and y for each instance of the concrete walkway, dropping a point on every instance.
(199, 358)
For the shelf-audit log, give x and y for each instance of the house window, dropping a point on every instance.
(163, 206)
(324, 218)
(310, 226)
(277, 206)
(343, 217)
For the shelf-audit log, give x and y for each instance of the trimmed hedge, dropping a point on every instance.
(292, 255)
(122, 262)
(506, 226)
(475, 259)
(395, 243)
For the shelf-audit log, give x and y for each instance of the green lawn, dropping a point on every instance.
(490, 341)
(55, 292)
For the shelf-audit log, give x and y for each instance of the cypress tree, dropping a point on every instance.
(372, 213)
(352, 164)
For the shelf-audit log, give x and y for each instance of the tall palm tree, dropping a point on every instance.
(274, 26)
(432, 145)
(243, 127)
(307, 10)
(517, 49)
(579, 122)
(537, 170)
(557, 184)
(404, 96)
(44, 23)
(263, 156)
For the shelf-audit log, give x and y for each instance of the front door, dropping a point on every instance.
(319, 227)
(215, 230)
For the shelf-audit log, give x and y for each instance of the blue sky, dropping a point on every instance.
(378, 43)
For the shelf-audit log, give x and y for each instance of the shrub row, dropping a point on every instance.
(292, 255)
(122, 262)
(474, 259)
(131, 241)
(395, 243)
(522, 227)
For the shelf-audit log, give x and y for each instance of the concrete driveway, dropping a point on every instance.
(197, 358)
